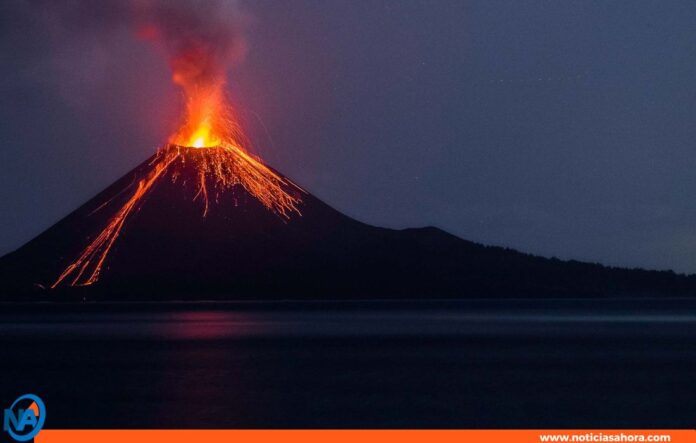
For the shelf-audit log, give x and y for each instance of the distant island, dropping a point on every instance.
(175, 246)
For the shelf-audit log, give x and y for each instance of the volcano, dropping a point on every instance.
(188, 238)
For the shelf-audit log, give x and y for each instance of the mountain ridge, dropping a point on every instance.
(240, 250)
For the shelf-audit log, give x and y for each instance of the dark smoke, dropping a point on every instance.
(202, 38)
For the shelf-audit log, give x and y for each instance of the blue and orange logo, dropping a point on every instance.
(25, 418)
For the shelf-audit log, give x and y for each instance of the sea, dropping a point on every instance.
(506, 363)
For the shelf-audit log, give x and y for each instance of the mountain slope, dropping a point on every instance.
(168, 250)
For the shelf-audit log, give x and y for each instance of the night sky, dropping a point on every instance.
(561, 128)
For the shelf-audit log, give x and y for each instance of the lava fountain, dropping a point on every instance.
(209, 126)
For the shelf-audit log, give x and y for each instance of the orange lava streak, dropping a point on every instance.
(228, 165)
(84, 274)
(203, 190)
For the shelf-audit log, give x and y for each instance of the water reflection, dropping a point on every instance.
(199, 323)
(505, 364)
(202, 325)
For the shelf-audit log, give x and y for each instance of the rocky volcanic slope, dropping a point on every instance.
(167, 250)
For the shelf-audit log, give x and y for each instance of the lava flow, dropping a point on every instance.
(211, 128)
(200, 47)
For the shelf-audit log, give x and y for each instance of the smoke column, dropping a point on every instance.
(201, 38)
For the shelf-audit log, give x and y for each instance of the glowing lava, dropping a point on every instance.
(224, 162)
(209, 120)
(86, 269)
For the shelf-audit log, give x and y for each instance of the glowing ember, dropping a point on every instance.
(208, 119)
(210, 124)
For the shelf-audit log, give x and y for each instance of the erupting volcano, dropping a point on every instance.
(204, 218)
(198, 61)
(221, 162)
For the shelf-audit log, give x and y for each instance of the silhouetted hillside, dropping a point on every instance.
(240, 250)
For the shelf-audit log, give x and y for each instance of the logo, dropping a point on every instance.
(25, 418)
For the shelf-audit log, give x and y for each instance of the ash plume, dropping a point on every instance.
(201, 38)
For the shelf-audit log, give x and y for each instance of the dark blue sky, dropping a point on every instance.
(561, 128)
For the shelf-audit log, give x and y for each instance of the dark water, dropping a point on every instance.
(512, 364)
